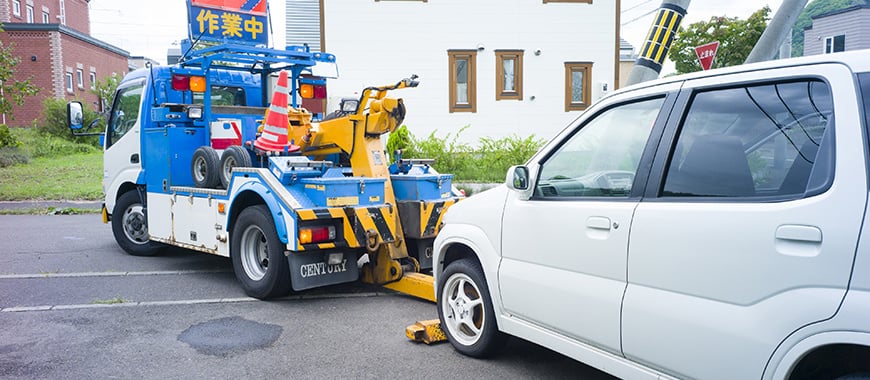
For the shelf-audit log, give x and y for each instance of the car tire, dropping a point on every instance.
(258, 255)
(205, 168)
(130, 226)
(233, 156)
(466, 311)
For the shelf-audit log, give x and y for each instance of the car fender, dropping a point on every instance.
(477, 241)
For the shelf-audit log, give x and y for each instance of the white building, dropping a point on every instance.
(504, 67)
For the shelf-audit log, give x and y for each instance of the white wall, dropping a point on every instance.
(380, 42)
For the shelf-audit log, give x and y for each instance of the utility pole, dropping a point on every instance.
(658, 41)
(780, 26)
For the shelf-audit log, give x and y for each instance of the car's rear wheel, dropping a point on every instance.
(258, 255)
(465, 310)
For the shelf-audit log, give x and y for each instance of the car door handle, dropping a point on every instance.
(598, 223)
(798, 241)
(797, 233)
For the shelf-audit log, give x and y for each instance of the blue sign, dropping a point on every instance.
(211, 24)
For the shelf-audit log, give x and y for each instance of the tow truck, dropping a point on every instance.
(190, 161)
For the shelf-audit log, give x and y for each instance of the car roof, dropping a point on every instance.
(856, 60)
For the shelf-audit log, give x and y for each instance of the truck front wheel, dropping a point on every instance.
(258, 255)
(130, 226)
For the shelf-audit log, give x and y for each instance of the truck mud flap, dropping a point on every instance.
(311, 269)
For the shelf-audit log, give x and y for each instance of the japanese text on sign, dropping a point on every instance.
(219, 25)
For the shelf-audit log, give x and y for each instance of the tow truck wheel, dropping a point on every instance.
(233, 156)
(130, 226)
(205, 168)
(258, 255)
(465, 310)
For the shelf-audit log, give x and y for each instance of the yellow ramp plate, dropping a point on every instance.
(428, 332)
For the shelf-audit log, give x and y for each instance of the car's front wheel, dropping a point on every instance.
(465, 310)
(130, 226)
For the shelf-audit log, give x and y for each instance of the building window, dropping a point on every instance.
(463, 80)
(93, 80)
(578, 85)
(509, 74)
(29, 10)
(568, 1)
(45, 17)
(835, 44)
(80, 78)
(16, 7)
(69, 82)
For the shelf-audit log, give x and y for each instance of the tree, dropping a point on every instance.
(105, 90)
(736, 39)
(813, 9)
(12, 91)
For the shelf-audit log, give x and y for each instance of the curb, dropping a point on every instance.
(27, 205)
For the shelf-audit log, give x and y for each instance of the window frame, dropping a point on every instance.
(28, 9)
(46, 17)
(471, 57)
(830, 44)
(500, 57)
(68, 77)
(80, 79)
(570, 68)
(92, 77)
(16, 8)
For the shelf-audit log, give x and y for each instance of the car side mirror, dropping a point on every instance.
(517, 178)
(75, 115)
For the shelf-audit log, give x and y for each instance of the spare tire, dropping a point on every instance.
(233, 156)
(205, 168)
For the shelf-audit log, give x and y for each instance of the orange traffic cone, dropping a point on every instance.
(274, 136)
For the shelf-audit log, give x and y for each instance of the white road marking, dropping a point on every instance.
(19, 309)
(110, 274)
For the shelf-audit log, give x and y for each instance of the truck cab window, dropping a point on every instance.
(125, 112)
(223, 96)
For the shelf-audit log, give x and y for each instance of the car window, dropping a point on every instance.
(601, 159)
(751, 141)
(222, 96)
(125, 112)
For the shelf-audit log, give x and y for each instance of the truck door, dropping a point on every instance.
(749, 231)
(565, 248)
(122, 161)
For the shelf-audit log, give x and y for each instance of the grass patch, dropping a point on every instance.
(60, 177)
(51, 211)
(111, 301)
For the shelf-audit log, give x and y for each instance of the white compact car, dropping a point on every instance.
(710, 226)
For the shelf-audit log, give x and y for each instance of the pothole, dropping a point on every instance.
(230, 336)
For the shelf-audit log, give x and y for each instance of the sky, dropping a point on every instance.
(148, 28)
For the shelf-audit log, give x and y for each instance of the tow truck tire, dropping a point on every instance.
(258, 255)
(233, 156)
(205, 168)
(130, 226)
(466, 312)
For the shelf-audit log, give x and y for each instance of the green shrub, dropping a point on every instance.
(399, 139)
(54, 122)
(40, 144)
(10, 155)
(7, 139)
(486, 163)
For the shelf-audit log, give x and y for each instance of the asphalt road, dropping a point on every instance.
(73, 305)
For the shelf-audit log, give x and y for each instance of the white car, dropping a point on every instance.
(703, 226)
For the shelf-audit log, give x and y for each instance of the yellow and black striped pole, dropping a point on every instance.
(658, 41)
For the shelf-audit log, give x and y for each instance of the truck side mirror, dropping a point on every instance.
(75, 116)
(517, 178)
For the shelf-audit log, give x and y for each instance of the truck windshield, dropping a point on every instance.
(125, 112)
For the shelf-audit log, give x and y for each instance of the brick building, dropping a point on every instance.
(52, 39)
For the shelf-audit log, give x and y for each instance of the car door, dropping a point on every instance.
(749, 227)
(565, 244)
